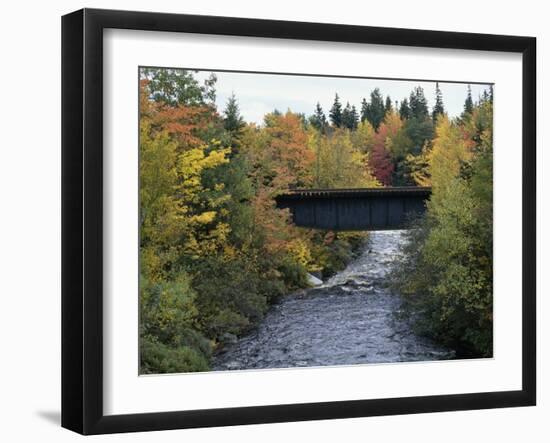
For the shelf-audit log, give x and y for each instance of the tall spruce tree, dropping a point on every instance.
(318, 120)
(438, 108)
(418, 104)
(349, 117)
(336, 112)
(375, 109)
(468, 103)
(419, 127)
(232, 121)
(346, 116)
(354, 117)
(364, 109)
(404, 110)
(388, 107)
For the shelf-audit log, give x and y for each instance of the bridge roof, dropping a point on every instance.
(411, 191)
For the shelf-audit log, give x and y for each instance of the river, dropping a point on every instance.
(350, 319)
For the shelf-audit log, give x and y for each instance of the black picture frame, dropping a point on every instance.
(82, 218)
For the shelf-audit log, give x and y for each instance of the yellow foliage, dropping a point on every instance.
(338, 163)
(204, 218)
(171, 197)
(300, 251)
(449, 151)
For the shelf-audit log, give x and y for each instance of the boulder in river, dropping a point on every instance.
(314, 281)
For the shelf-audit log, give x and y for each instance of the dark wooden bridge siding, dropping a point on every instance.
(355, 209)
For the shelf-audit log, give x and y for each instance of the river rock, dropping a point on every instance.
(314, 281)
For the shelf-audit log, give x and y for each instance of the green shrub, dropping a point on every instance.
(168, 310)
(158, 358)
(229, 295)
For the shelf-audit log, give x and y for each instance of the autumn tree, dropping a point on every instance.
(381, 164)
(446, 273)
(339, 163)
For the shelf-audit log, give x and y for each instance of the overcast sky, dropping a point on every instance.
(258, 94)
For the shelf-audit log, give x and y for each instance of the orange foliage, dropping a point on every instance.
(288, 150)
(183, 123)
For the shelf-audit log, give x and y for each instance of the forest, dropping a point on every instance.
(215, 252)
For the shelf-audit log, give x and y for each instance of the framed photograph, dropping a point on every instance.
(267, 221)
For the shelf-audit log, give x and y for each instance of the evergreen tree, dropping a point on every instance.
(388, 106)
(484, 97)
(468, 103)
(232, 121)
(491, 94)
(318, 120)
(349, 117)
(375, 111)
(336, 112)
(418, 104)
(346, 116)
(364, 109)
(438, 107)
(354, 117)
(404, 110)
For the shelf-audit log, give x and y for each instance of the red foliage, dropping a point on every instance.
(381, 164)
(380, 159)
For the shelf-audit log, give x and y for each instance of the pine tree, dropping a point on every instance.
(233, 121)
(404, 110)
(336, 112)
(349, 117)
(346, 116)
(375, 111)
(418, 104)
(484, 97)
(364, 109)
(354, 117)
(388, 107)
(438, 107)
(318, 120)
(468, 103)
